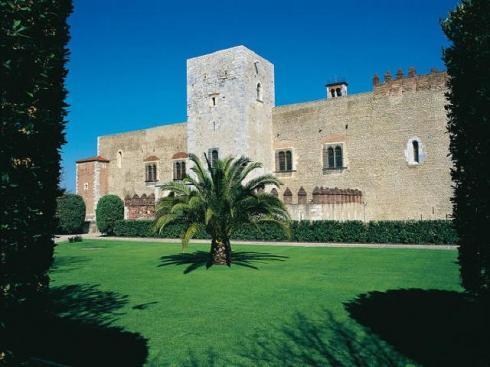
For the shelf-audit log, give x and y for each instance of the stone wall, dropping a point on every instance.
(374, 129)
(129, 153)
(230, 95)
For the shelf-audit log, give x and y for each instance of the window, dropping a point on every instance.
(213, 155)
(333, 157)
(332, 92)
(415, 153)
(119, 158)
(339, 92)
(415, 146)
(151, 172)
(284, 161)
(213, 101)
(259, 92)
(85, 186)
(179, 170)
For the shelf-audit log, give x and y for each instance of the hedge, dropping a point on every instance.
(70, 212)
(110, 209)
(417, 232)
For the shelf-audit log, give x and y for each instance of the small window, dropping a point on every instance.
(339, 92)
(259, 92)
(415, 153)
(119, 159)
(213, 156)
(415, 145)
(333, 157)
(284, 161)
(85, 186)
(151, 172)
(332, 92)
(179, 170)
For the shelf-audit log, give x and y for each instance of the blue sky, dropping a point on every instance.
(127, 63)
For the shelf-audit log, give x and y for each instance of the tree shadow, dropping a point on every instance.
(432, 327)
(63, 264)
(200, 259)
(318, 340)
(77, 330)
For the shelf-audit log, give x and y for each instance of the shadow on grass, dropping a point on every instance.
(68, 263)
(320, 340)
(200, 259)
(432, 327)
(78, 332)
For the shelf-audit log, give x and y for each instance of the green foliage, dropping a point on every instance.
(218, 201)
(33, 53)
(417, 232)
(110, 209)
(70, 212)
(467, 61)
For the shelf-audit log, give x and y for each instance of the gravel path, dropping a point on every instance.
(63, 238)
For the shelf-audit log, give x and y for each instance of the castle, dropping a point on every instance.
(370, 156)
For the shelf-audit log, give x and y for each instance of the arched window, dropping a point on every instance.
(339, 92)
(338, 157)
(416, 157)
(119, 159)
(259, 92)
(332, 92)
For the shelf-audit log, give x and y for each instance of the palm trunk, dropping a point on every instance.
(221, 252)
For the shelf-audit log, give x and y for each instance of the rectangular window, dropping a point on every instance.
(179, 170)
(151, 172)
(284, 161)
(213, 156)
(333, 157)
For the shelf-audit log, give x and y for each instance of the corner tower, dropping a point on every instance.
(230, 96)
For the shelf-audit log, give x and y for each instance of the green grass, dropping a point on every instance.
(274, 303)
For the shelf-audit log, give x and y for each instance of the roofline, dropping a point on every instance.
(93, 159)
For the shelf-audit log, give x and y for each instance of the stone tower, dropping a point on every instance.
(230, 96)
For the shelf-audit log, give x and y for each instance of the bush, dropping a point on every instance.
(33, 39)
(70, 212)
(110, 209)
(418, 232)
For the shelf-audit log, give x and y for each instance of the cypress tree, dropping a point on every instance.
(33, 54)
(468, 65)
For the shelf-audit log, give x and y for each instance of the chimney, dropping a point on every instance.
(337, 89)
(411, 72)
(375, 80)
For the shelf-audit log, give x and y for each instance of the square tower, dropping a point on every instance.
(230, 96)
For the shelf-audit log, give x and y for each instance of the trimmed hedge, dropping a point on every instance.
(436, 231)
(110, 209)
(70, 212)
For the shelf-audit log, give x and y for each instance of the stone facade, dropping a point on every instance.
(370, 156)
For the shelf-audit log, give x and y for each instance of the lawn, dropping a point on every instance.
(274, 306)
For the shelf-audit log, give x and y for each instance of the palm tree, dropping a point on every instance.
(218, 200)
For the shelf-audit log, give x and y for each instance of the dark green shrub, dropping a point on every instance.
(70, 212)
(467, 61)
(436, 231)
(33, 53)
(110, 209)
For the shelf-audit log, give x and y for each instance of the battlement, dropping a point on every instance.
(435, 80)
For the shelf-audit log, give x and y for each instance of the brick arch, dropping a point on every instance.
(180, 155)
